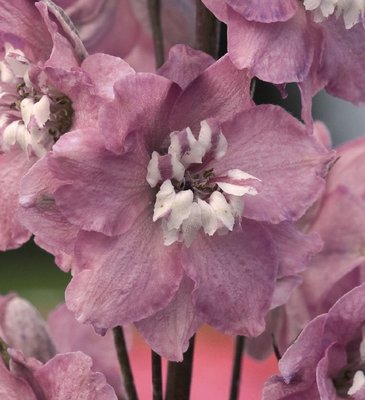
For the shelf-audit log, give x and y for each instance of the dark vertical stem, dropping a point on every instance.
(154, 9)
(237, 366)
(156, 376)
(276, 348)
(222, 43)
(179, 376)
(207, 30)
(124, 363)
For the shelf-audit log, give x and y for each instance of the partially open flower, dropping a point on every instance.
(327, 360)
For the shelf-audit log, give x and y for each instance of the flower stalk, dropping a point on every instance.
(124, 363)
(179, 376)
(206, 30)
(156, 376)
(154, 9)
(237, 367)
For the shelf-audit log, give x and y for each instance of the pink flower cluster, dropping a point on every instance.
(172, 198)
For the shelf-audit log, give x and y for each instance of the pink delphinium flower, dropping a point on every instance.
(45, 91)
(322, 43)
(66, 376)
(184, 196)
(339, 219)
(327, 359)
(24, 329)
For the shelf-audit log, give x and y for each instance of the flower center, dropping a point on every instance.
(351, 10)
(352, 377)
(190, 196)
(33, 117)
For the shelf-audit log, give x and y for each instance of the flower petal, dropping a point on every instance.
(169, 330)
(132, 276)
(239, 269)
(291, 176)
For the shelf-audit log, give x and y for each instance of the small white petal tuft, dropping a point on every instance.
(153, 171)
(164, 200)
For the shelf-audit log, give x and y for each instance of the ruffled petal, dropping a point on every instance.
(69, 335)
(184, 64)
(344, 60)
(200, 100)
(271, 145)
(132, 276)
(260, 47)
(13, 166)
(264, 10)
(240, 270)
(101, 191)
(168, 331)
(142, 104)
(41, 215)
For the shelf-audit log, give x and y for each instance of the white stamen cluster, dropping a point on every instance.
(359, 377)
(351, 10)
(32, 118)
(189, 200)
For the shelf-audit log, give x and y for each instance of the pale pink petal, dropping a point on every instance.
(323, 135)
(70, 376)
(294, 248)
(21, 18)
(344, 60)
(349, 169)
(101, 191)
(264, 10)
(13, 165)
(40, 213)
(69, 335)
(341, 224)
(200, 100)
(244, 286)
(12, 387)
(330, 366)
(297, 366)
(63, 54)
(260, 47)
(105, 70)
(271, 145)
(218, 8)
(132, 276)
(184, 64)
(169, 330)
(142, 103)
